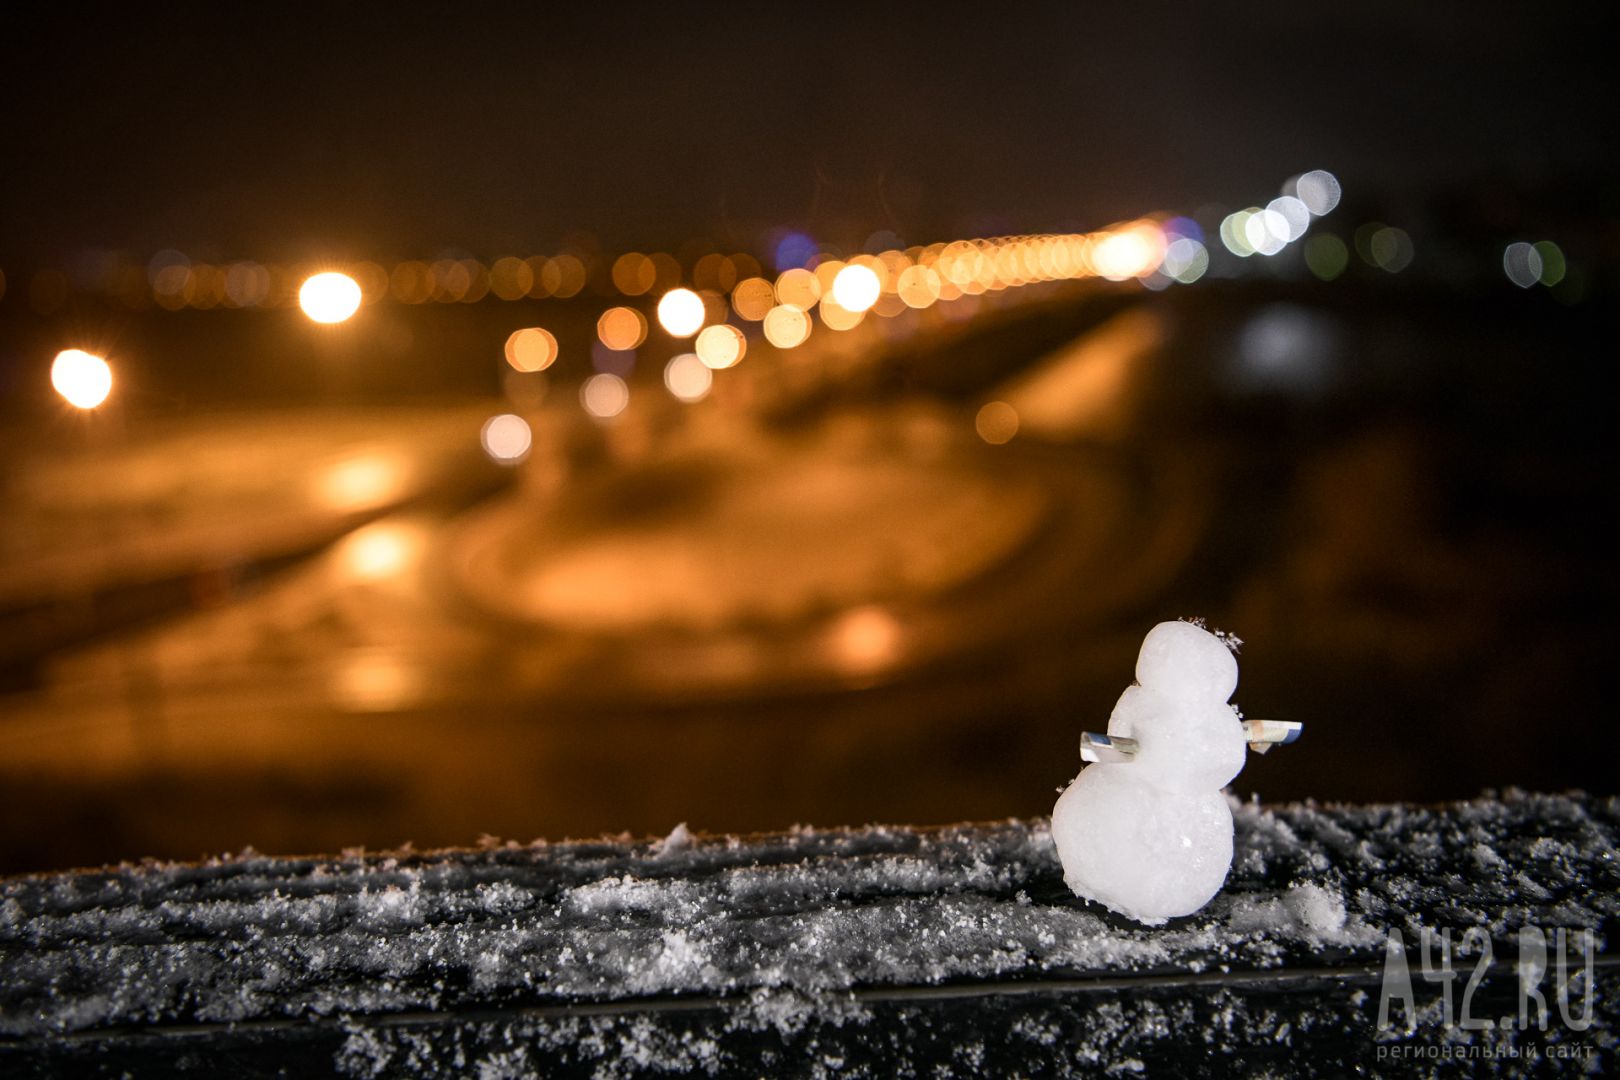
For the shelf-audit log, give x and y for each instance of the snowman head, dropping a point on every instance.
(1188, 738)
(1187, 662)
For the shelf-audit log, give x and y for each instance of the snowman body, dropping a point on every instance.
(1151, 838)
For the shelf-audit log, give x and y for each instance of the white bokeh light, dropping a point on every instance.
(1234, 233)
(1266, 231)
(82, 378)
(1319, 190)
(604, 396)
(330, 297)
(681, 313)
(506, 438)
(1185, 260)
(1294, 212)
(688, 377)
(1522, 264)
(856, 288)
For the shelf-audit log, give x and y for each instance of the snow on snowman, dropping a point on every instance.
(1145, 829)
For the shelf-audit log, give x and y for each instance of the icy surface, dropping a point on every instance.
(809, 941)
(1151, 837)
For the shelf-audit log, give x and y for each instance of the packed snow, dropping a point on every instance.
(1151, 837)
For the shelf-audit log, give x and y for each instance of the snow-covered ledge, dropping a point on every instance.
(878, 951)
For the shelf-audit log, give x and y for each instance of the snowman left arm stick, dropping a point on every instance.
(1261, 735)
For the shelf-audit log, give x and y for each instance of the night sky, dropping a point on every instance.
(368, 132)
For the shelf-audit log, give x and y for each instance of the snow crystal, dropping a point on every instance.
(678, 840)
(1320, 911)
(1313, 912)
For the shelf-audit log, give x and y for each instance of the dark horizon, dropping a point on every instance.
(364, 133)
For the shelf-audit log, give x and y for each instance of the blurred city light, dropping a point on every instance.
(1265, 231)
(1530, 264)
(1294, 213)
(753, 298)
(247, 284)
(362, 481)
(380, 551)
(918, 286)
(604, 396)
(1384, 246)
(531, 349)
(1127, 253)
(634, 273)
(1288, 348)
(1234, 232)
(1185, 260)
(681, 313)
(866, 639)
(1522, 264)
(82, 378)
(1326, 256)
(1553, 266)
(622, 328)
(996, 422)
(375, 681)
(511, 278)
(329, 297)
(688, 378)
(856, 288)
(793, 250)
(786, 326)
(798, 287)
(1318, 189)
(721, 346)
(562, 276)
(1282, 221)
(834, 316)
(506, 438)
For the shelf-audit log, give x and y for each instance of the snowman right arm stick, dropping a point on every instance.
(1261, 735)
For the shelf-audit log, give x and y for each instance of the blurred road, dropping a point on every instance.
(826, 594)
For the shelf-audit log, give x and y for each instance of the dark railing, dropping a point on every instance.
(881, 951)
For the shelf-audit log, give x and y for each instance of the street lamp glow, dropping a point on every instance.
(330, 297)
(83, 379)
(856, 288)
(1130, 252)
(681, 312)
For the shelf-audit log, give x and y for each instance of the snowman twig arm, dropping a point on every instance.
(1106, 748)
(1261, 735)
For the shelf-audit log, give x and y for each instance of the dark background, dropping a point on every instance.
(371, 131)
(1393, 486)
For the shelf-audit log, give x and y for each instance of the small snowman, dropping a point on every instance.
(1145, 829)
